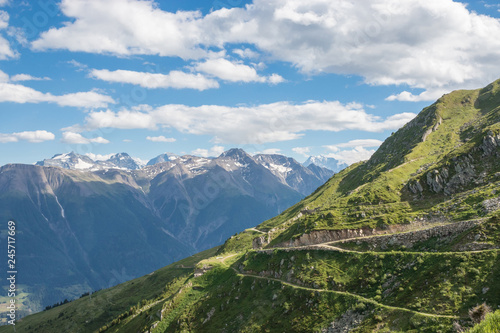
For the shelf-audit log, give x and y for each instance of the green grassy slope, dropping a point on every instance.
(89, 313)
(491, 324)
(377, 193)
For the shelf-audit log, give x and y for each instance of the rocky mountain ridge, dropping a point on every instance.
(74, 208)
(325, 162)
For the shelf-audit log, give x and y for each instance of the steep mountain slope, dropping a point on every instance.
(293, 174)
(429, 169)
(408, 241)
(162, 158)
(203, 201)
(107, 221)
(78, 232)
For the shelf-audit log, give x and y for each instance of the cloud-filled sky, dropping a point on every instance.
(299, 78)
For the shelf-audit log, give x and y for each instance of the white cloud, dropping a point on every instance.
(77, 138)
(366, 143)
(275, 79)
(30, 136)
(213, 152)
(4, 19)
(428, 95)
(4, 2)
(6, 51)
(351, 156)
(358, 153)
(247, 124)
(246, 53)
(99, 157)
(175, 79)
(27, 77)
(17, 93)
(160, 138)
(234, 71)
(304, 151)
(430, 45)
(78, 65)
(433, 45)
(270, 151)
(4, 77)
(124, 27)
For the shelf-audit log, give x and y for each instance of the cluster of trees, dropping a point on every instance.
(48, 307)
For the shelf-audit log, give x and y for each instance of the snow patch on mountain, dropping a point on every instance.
(326, 162)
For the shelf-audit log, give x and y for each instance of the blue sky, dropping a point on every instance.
(199, 77)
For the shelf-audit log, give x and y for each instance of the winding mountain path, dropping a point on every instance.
(330, 246)
(344, 293)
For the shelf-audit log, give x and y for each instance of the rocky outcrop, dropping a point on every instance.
(325, 236)
(436, 180)
(408, 239)
(200, 271)
(490, 145)
(346, 323)
(460, 171)
(450, 179)
(491, 205)
(415, 187)
(260, 242)
(432, 129)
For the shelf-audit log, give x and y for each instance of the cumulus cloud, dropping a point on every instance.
(365, 143)
(17, 93)
(428, 95)
(124, 27)
(78, 65)
(78, 139)
(160, 138)
(30, 136)
(99, 157)
(246, 53)
(27, 77)
(357, 153)
(247, 124)
(212, 152)
(269, 151)
(304, 151)
(6, 51)
(350, 156)
(431, 45)
(175, 79)
(234, 71)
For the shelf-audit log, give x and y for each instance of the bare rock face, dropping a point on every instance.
(408, 239)
(460, 171)
(432, 129)
(346, 323)
(415, 187)
(324, 236)
(491, 205)
(491, 143)
(260, 242)
(436, 180)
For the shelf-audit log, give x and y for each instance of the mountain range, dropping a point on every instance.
(408, 241)
(86, 224)
(326, 162)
